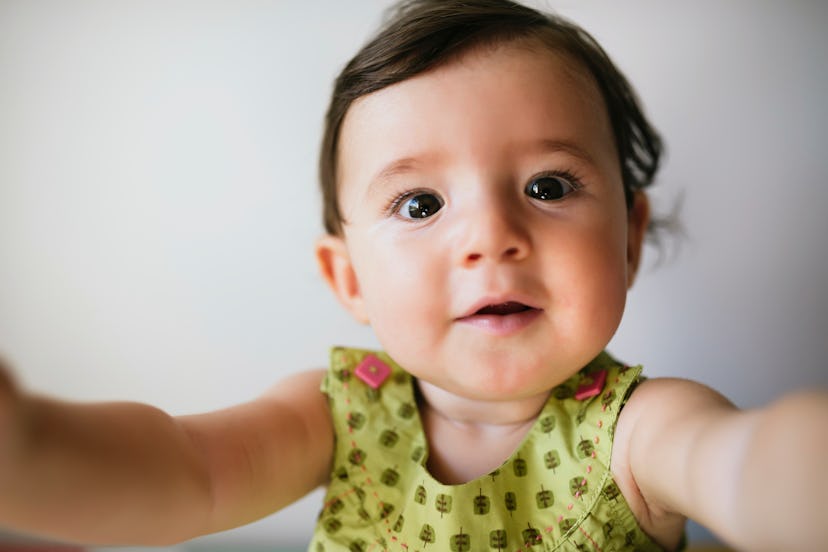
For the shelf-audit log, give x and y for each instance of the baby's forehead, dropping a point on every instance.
(568, 60)
(565, 67)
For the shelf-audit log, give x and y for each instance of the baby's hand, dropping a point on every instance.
(8, 398)
(9, 402)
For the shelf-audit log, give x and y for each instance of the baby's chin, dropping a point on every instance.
(498, 380)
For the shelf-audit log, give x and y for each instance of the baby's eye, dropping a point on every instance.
(419, 206)
(549, 187)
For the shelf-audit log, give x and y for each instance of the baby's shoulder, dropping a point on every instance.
(661, 409)
(653, 440)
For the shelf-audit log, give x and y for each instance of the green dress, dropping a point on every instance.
(554, 493)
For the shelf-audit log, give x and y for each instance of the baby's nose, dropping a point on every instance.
(495, 237)
(510, 252)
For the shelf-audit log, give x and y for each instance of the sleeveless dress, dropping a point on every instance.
(554, 493)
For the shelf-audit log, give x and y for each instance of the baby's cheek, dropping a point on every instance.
(593, 297)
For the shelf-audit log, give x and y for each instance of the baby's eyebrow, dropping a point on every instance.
(399, 166)
(394, 168)
(554, 145)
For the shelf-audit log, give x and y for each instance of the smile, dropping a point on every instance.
(502, 319)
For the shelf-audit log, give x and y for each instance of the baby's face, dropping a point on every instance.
(485, 222)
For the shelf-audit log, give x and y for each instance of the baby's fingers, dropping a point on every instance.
(9, 409)
(7, 387)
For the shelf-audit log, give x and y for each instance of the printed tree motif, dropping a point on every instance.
(389, 438)
(608, 528)
(563, 391)
(498, 539)
(629, 538)
(363, 514)
(356, 457)
(417, 454)
(611, 491)
(607, 398)
(460, 542)
(360, 494)
(420, 495)
(320, 547)
(519, 467)
(482, 504)
(357, 546)
(566, 525)
(332, 525)
(372, 395)
(547, 423)
(406, 410)
(385, 510)
(511, 502)
(544, 498)
(390, 477)
(531, 536)
(399, 524)
(356, 420)
(552, 460)
(581, 415)
(342, 375)
(443, 504)
(341, 473)
(495, 473)
(427, 534)
(585, 448)
(336, 506)
(578, 486)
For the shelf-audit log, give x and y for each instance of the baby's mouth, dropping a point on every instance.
(501, 319)
(503, 309)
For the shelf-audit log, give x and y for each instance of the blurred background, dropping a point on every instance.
(158, 201)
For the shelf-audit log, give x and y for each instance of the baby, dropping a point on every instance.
(483, 172)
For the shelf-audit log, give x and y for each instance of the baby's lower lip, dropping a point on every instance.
(501, 324)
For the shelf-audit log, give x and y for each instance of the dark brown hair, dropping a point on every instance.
(422, 34)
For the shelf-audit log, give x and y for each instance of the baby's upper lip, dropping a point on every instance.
(500, 305)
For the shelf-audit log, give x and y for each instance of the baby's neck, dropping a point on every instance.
(469, 438)
(483, 414)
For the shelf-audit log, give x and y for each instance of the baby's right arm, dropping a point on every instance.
(126, 473)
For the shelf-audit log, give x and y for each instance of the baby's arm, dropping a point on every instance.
(755, 477)
(125, 473)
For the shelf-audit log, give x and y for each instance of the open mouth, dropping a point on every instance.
(503, 309)
(502, 319)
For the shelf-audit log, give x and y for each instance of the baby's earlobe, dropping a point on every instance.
(638, 217)
(334, 262)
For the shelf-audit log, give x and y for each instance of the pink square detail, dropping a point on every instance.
(372, 371)
(591, 385)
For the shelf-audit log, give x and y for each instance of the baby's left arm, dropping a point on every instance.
(755, 477)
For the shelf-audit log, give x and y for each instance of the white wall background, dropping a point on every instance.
(158, 199)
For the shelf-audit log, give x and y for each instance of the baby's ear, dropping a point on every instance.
(638, 219)
(336, 268)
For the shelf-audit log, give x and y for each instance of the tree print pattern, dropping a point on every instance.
(544, 498)
(427, 534)
(443, 503)
(552, 460)
(482, 504)
(498, 539)
(461, 542)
